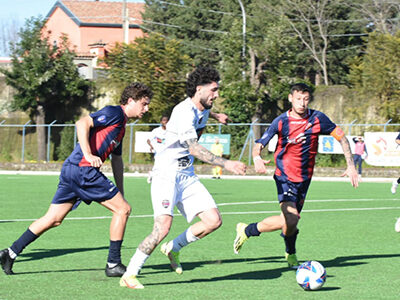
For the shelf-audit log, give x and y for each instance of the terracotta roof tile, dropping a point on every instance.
(103, 12)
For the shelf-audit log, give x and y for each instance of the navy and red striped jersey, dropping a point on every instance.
(298, 143)
(105, 136)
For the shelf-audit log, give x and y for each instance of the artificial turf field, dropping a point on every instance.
(350, 231)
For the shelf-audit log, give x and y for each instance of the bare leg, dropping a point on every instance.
(53, 217)
(272, 223)
(121, 211)
(162, 225)
(210, 220)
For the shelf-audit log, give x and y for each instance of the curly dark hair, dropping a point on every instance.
(136, 91)
(200, 76)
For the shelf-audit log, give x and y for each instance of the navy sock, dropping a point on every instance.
(398, 180)
(290, 242)
(251, 230)
(114, 252)
(24, 240)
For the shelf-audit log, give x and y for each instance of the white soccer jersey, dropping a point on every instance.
(186, 122)
(157, 138)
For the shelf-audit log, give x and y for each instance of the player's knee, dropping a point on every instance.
(214, 223)
(125, 210)
(55, 223)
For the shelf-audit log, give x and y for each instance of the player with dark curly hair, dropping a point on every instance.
(174, 182)
(100, 135)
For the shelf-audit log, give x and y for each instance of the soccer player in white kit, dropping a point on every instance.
(174, 182)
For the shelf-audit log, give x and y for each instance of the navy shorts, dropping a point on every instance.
(292, 191)
(83, 184)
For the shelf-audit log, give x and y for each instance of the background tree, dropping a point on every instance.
(376, 76)
(46, 81)
(157, 62)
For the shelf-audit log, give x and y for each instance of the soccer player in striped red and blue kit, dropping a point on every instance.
(297, 131)
(100, 135)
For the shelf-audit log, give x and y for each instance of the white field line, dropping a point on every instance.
(247, 177)
(225, 213)
(307, 201)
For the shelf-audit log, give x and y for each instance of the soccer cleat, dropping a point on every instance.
(293, 263)
(116, 271)
(397, 225)
(241, 237)
(394, 186)
(130, 282)
(6, 262)
(173, 256)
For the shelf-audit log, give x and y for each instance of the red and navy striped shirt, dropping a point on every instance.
(105, 136)
(294, 158)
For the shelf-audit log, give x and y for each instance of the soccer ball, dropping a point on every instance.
(311, 275)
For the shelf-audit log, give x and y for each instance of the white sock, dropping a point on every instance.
(136, 263)
(183, 240)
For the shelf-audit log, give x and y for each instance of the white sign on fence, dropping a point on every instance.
(382, 149)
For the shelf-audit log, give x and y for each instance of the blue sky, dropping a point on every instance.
(23, 9)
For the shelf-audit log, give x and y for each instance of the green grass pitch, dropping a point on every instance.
(350, 231)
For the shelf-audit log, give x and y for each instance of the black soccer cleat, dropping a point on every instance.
(6, 262)
(116, 271)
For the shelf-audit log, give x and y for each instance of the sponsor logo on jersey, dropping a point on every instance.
(165, 203)
(101, 119)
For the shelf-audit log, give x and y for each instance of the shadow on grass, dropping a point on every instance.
(37, 254)
(342, 261)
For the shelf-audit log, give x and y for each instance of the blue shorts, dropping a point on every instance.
(83, 184)
(292, 191)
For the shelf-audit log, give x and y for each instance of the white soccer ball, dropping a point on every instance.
(311, 275)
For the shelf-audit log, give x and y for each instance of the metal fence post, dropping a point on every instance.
(351, 125)
(386, 124)
(48, 139)
(23, 141)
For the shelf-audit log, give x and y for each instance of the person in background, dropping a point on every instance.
(396, 182)
(157, 140)
(360, 153)
(218, 150)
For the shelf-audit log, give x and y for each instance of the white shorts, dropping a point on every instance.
(184, 191)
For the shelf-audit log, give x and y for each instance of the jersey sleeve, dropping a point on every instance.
(186, 128)
(398, 137)
(269, 133)
(328, 127)
(107, 116)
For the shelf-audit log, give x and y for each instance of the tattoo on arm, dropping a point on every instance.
(153, 239)
(203, 154)
(347, 151)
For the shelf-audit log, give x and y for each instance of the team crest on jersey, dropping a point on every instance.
(101, 119)
(165, 203)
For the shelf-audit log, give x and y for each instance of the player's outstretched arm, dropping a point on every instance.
(83, 126)
(259, 163)
(203, 154)
(220, 117)
(351, 169)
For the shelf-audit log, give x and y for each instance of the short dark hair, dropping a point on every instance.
(301, 87)
(200, 76)
(136, 91)
(164, 116)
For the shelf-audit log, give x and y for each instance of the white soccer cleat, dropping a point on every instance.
(397, 225)
(394, 186)
(130, 282)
